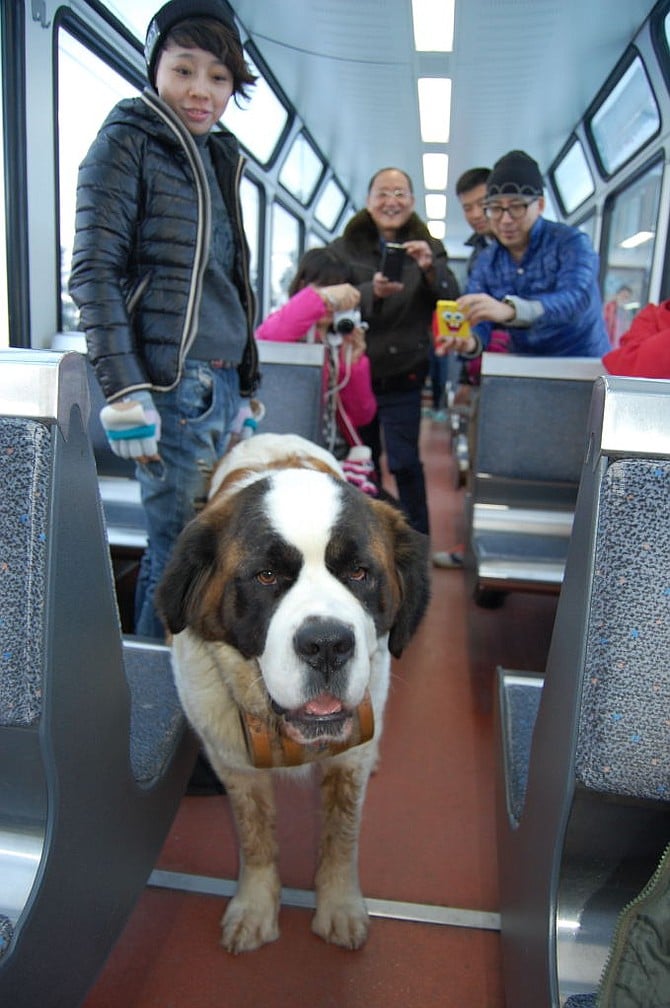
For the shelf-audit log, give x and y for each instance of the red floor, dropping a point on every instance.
(428, 833)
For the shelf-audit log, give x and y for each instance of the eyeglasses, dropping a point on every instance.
(517, 209)
(384, 194)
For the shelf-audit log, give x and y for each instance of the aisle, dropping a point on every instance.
(428, 840)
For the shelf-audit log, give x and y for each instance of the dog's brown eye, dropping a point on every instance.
(266, 577)
(358, 574)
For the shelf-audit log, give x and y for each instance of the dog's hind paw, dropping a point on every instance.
(343, 923)
(245, 927)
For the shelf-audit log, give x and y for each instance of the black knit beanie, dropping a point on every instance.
(171, 14)
(515, 174)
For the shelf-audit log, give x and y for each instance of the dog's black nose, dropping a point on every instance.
(325, 644)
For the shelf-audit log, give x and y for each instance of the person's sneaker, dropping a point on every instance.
(439, 416)
(448, 560)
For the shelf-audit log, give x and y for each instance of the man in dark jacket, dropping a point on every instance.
(399, 315)
(471, 192)
(160, 272)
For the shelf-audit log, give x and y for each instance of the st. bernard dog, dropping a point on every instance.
(286, 597)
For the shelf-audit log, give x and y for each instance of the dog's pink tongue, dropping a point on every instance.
(324, 704)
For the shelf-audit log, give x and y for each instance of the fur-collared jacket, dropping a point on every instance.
(398, 338)
(143, 225)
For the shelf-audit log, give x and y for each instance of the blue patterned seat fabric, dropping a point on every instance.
(25, 474)
(624, 729)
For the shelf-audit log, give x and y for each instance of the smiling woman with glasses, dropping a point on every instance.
(398, 310)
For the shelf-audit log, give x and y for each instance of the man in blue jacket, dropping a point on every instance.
(538, 279)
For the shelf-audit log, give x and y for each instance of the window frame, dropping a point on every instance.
(659, 40)
(573, 139)
(631, 55)
(657, 159)
(15, 158)
(87, 36)
(303, 133)
(262, 67)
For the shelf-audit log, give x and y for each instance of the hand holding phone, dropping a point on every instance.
(393, 259)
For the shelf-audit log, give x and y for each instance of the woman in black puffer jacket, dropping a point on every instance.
(160, 273)
(142, 245)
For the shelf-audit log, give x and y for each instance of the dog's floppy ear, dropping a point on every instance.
(411, 552)
(190, 565)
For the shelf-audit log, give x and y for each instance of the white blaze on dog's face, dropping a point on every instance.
(321, 611)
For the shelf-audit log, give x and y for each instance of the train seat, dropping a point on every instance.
(530, 437)
(94, 747)
(584, 770)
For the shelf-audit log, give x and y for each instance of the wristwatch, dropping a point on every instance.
(508, 301)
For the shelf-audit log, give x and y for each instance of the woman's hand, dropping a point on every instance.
(447, 344)
(356, 340)
(421, 253)
(383, 288)
(340, 297)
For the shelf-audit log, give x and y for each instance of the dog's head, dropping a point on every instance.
(306, 576)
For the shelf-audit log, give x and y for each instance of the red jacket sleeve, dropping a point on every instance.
(644, 351)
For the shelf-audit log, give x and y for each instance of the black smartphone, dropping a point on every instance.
(393, 258)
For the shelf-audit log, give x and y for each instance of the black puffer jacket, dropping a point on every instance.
(398, 340)
(143, 227)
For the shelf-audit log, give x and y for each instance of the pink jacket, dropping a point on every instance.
(291, 323)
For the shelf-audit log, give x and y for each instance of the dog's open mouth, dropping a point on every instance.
(322, 719)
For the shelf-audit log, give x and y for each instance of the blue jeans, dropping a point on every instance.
(398, 420)
(196, 419)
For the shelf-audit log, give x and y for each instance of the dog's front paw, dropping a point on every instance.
(248, 924)
(342, 921)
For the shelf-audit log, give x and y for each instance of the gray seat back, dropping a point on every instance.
(622, 745)
(94, 747)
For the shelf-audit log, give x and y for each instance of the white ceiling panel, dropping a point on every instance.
(522, 70)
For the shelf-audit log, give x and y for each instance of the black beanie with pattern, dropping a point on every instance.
(515, 174)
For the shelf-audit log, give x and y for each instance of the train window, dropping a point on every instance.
(330, 205)
(284, 253)
(630, 228)
(549, 204)
(80, 72)
(250, 196)
(572, 177)
(659, 24)
(313, 240)
(625, 120)
(301, 170)
(260, 121)
(588, 226)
